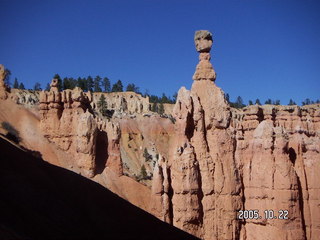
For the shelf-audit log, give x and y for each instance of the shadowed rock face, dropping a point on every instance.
(42, 201)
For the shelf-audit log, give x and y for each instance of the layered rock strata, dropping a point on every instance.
(225, 160)
(3, 86)
(123, 102)
(208, 163)
(66, 119)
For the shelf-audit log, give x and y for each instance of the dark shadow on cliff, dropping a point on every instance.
(42, 201)
(101, 151)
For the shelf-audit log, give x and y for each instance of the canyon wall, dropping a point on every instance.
(204, 165)
(225, 160)
(67, 120)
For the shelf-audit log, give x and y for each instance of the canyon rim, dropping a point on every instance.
(205, 162)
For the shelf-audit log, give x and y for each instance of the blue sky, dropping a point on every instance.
(262, 49)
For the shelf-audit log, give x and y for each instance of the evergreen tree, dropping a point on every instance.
(161, 108)
(90, 83)
(226, 96)
(154, 99)
(21, 86)
(164, 99)
(37, 86)
(106, 84)
(239, 102)
(7, 75)
(97, 83)
(250, 102)
(117, 87)
(15, 84)
(48, 87)
(175, 95)
(276, 102)
(146, 155)
(57, 76)
(269, 101)
(154, 107)
(258, 101)
(143, 172)
(306, 102)
(291, 102)
(102, 105)
(81, 83)
(66, 83)
(146, 93)
(132, 88)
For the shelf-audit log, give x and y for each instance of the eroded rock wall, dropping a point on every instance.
(224, 160)
(66, 119)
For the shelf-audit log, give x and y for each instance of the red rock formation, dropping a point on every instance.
(66, 121)
(225, 160)
(3, 87)
(213, 161)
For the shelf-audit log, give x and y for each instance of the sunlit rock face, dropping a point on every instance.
(204, 69)
(3, 87)
(66, 119)
(224, 160)
(204, 165)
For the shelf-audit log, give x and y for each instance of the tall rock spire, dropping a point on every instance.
(3, 86)
(204, 70)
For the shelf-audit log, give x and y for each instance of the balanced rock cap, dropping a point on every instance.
(203, 40)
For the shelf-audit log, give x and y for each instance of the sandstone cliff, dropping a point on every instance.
(225, 160)
(203, 167)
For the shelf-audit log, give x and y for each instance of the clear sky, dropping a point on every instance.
(262, 49)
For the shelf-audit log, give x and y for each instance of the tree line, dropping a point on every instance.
(103, 84)
(239, 103)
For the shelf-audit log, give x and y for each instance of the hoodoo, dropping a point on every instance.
(204, 71)
(199, 166)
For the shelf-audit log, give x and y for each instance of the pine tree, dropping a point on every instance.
(250, 102)
(226, 96)
(15, 84)
(81, 83)
(102, 105)
(306, 102)
(276, 102)
(258, 101)
(21, 86)
(7, 74)
(291, 102)
(90, 83)
(132, 88)
(239, 102)
(146, 155)
(117, 87)
(37, 86)
(66, 83)
(154, 107)
(48, 87)
(143, 172)
(161, 109)
(269, 101)
(106, 84)
(174, 97)
(97, 83)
